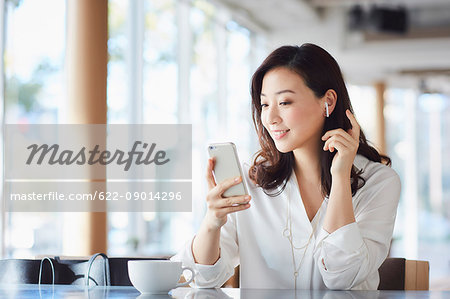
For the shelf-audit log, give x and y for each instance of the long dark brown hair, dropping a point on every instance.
(320, 73)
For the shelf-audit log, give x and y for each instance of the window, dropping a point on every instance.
(195, 68)
(364, 104)
(419, 148)
(34, 89)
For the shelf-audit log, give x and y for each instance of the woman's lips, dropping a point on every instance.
(278, 134)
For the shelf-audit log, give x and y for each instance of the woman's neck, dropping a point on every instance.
(307, 164)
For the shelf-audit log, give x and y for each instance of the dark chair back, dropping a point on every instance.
(403, 274)
(392, 274)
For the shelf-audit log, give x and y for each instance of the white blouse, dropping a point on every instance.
(348, 258)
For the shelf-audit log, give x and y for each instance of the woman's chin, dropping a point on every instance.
(283, 149)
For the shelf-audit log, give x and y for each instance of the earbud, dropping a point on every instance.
(326, 109)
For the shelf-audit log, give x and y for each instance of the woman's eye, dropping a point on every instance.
(263, 105)
(284, 103)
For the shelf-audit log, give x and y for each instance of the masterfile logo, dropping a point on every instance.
(88, 151)
(52, 155)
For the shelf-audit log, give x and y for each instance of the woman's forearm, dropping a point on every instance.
(340, 207)
(206, 245)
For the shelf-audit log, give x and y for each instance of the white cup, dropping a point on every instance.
(156, 276)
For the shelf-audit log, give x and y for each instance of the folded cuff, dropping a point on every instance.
(203, 273)
(347, 238)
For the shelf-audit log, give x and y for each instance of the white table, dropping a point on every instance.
(73, 291)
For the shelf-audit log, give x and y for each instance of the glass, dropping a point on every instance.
(417, 124)
(160, 62)
(34, 92)
(118, 72)
(165, 233)
(142, 233)
(239, 122)
(203, 94)
(364, 105)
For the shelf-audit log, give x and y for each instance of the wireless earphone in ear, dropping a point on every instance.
(326, 108)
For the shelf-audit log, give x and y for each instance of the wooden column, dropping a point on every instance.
(380, 141)
(86, 70)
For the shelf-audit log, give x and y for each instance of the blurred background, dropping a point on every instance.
(190, 61)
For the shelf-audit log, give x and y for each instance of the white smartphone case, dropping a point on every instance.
(227, 166)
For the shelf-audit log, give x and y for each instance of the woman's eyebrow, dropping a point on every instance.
(280, 92)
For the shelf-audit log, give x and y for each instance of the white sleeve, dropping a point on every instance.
(212, 276)
(349, 255)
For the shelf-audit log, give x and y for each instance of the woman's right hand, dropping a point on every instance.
(218, 206)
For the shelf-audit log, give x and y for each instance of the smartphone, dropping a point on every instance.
(227, 166)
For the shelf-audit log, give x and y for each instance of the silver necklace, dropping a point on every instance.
(287, 233)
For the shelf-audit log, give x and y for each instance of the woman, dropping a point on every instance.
(322, 201)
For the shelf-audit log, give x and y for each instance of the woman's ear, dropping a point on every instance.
(330, 98)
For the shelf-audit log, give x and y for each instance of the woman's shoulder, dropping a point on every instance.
(375, 173)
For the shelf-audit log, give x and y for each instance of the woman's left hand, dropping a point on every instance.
(346, 144)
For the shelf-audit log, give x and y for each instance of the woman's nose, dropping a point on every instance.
(273, 117)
